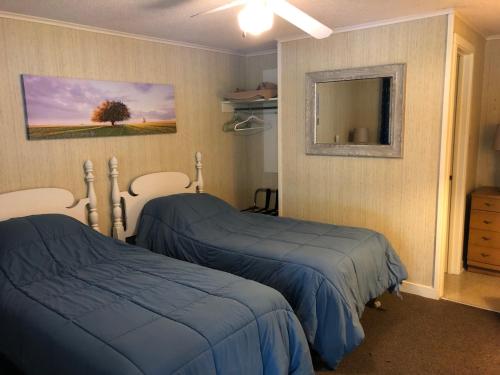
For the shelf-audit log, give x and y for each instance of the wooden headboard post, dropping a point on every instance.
(127, 205)
(92, 205)
(39, 201)
(199, 175)
(117, 212)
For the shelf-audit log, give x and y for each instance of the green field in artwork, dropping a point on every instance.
(61, 131)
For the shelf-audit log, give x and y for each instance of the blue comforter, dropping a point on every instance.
(73, 301)
(327, 273)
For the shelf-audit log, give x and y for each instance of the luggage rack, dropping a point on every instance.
(266, 210)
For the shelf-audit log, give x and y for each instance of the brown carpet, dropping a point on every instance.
(418, 336)
(422, 336)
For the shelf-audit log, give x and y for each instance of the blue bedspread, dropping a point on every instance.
(327, 273)
(73, 301)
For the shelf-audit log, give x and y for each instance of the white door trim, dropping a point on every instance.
(280, 129)
(443, 191)
(454, 42)
(461, 121)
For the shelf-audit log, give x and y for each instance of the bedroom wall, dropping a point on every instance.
(478, 41)
(253, 66)
(199, 76)
(394, 196)
(488, 162)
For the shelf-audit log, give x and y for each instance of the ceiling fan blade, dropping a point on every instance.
(163, 4)
(230, 5)
(300, 19)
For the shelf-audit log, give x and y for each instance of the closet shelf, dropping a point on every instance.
(232, 105)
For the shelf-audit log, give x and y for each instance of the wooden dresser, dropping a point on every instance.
(484, 230)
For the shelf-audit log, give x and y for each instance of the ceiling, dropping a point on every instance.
(170, 19)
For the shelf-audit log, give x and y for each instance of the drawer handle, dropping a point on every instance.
(485, 255)
(487, 204)
(484, 238)
(487, 221)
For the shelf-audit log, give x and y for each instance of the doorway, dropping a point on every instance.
(462, 286)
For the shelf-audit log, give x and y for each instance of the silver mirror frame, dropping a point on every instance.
(396, 113)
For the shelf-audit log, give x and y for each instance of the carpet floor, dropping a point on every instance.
(417, 335)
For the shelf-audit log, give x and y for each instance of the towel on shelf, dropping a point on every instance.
(265, 90)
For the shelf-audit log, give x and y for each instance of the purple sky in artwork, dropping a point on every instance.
(67, 101)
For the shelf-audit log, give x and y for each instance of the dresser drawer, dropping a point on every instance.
(481, 254)
(486, 238)
(486, 204)
(485, 220)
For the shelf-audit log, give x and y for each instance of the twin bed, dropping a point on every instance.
(327, 273)
(73, 300)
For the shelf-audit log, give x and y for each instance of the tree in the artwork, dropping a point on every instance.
(111, 111)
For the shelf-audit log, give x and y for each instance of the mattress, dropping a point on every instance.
(326, 272)
(73, 301)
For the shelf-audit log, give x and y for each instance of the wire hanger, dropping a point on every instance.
(249, 119)
(245, 126)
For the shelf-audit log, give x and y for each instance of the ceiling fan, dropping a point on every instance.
(257, 17)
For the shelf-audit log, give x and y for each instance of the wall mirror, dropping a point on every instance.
(356, 112)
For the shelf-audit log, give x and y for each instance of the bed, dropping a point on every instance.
(75, 301)
(327, 273)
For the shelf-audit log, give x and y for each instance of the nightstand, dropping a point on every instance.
(484, 231)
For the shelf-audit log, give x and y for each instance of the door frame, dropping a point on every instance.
(455, 136)
(458, 164)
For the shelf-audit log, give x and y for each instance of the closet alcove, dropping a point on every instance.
(256, 121)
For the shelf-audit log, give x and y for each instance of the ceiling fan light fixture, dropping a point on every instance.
(256, 17)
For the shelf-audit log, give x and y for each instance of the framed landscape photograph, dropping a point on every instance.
(58, 107)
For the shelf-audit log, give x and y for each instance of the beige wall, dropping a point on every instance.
(394, 196)
(199, 77)
(252, 70)
(488, 161)
(253, 66)
(478, 42)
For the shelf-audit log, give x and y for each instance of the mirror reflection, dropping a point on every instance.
(353, 111)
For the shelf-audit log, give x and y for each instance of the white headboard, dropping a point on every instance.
(127, 205)
(53, 201)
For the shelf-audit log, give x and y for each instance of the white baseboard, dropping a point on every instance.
(419, 290)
